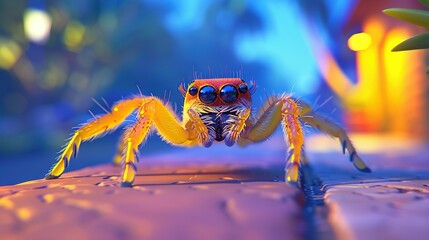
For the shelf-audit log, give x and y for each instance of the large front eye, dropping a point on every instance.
(228, 93)
(207, 94)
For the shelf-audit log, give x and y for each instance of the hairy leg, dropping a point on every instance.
(278, 110)
(92, 129)
(133, 136)
(153, 112)
(324, 124)
(295, 136)
(117, 159)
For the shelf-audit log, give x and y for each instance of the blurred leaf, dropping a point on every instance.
(427, 70)
(424, 3)
(420, 41)
(414, 16)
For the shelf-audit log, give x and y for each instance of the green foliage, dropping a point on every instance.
(417, 17)
(424, 3)
(414, 16)
(420, 41)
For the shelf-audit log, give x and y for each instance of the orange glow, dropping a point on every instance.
(24, 214)
(390, 90)
(359, 41)
(396, 64)
(366, 100)
(405, 91)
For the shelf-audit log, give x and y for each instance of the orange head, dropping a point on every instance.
(218, 102)
(217, 92)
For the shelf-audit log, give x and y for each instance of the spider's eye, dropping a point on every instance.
(207, 94)
(193, 91)
(228, 93)
(243, 88)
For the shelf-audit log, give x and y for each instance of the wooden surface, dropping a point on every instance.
(229, 193)
(176, 196)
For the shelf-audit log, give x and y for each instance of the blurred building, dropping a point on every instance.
(384, 92)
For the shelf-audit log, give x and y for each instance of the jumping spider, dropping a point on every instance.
(214, 110)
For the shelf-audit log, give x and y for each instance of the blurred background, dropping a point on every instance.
(56, 56)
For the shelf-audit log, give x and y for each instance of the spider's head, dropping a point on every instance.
(215, 92)
(217, 100)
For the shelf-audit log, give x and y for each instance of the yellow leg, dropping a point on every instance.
(167, 125)
(133, 137)
(94, 128)
(294, 135)
(278, 110)
(265, 124)
(117, 159)
(324, 124)
(150, 110)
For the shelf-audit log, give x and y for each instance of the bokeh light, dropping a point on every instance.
(359, 41)
(37, 25)
(73, 35)
(10, 52)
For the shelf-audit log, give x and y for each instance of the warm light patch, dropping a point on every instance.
(73, 35)
(10, 52)
(359, 41)
(6, 203)
(37, 25)
(49, 198)
(24, 214)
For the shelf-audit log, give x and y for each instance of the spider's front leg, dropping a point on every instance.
(278, 110)
(169, 128)
(93, 129)
(150, 111)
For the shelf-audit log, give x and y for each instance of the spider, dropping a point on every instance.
(217, 109)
